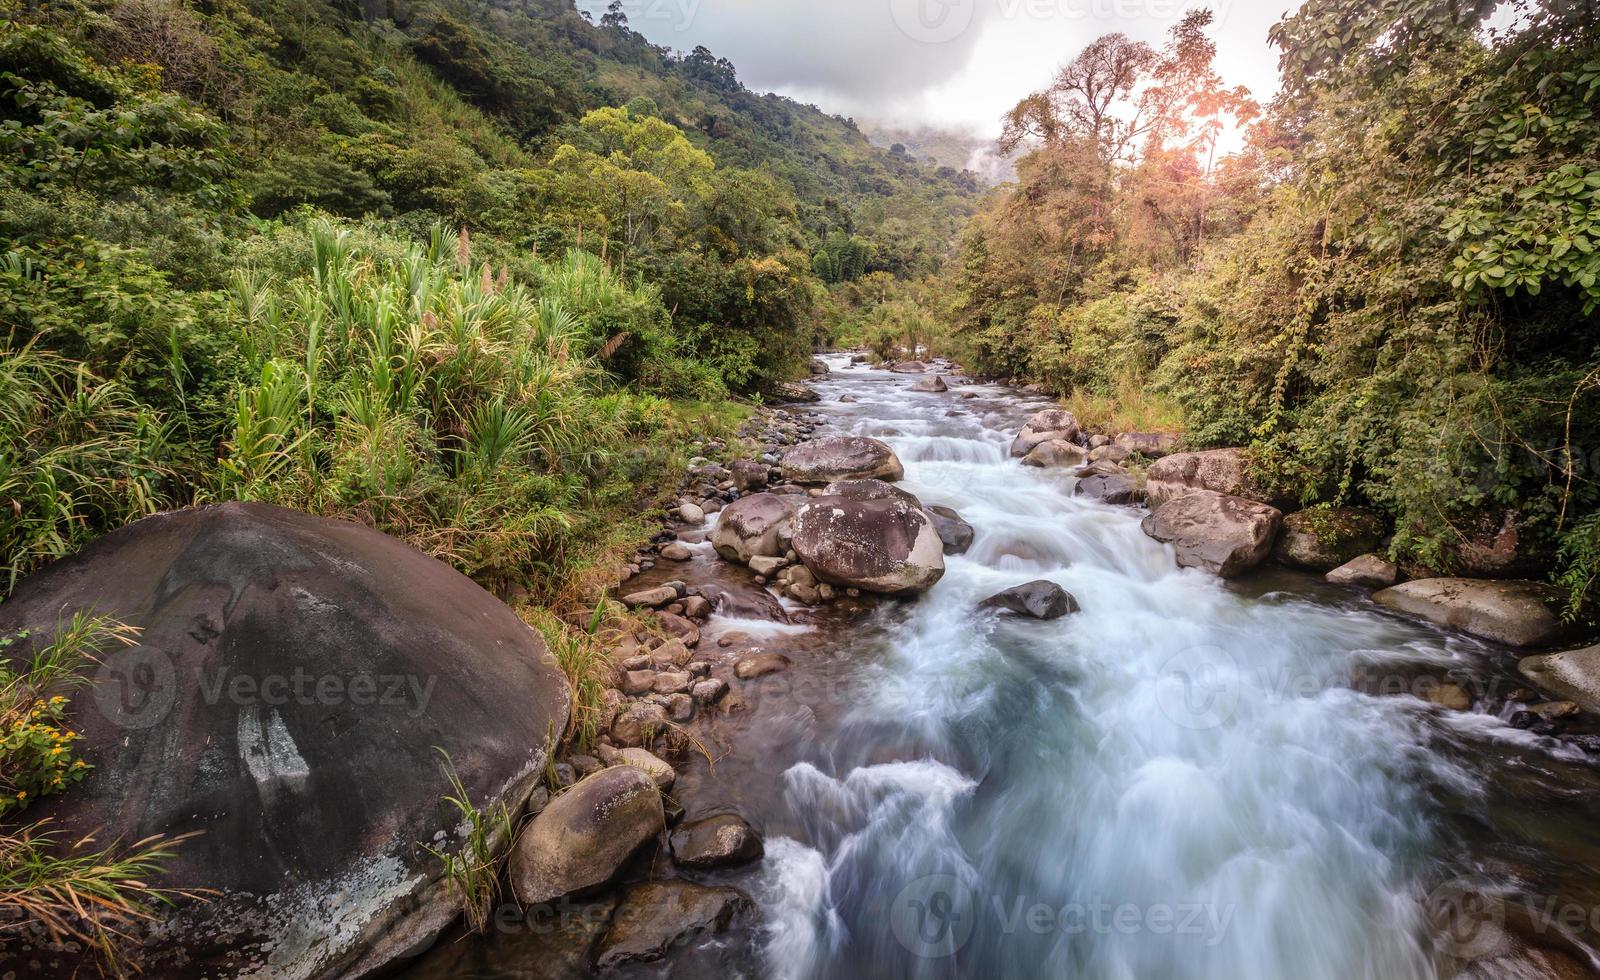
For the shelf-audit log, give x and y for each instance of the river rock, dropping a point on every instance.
(1223, 471)
(715, 841)
(691, 513)
(934, 384)
(1110, 488)
(310, 805)
(909, 367)
(650, 598)
(1150, 445)
(676, 551)
(638, 724)
(789, 391)
(656, 916)
(582, 839)
(756, 524)
(1321, 539)
(749, 602)
(1366, 571)
(759, 665)
(818, 366)
(1573, 674)
(1221, 533)
(1054, 453)
(1040, 599)
(658, 769)
(709, 691)
(750, 475)
(869, 535)
(955, 533)
(1052, 423)
(1516, 613)
(1108, 453)
(841, 458)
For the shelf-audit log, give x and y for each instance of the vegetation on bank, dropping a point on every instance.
(1391, 293)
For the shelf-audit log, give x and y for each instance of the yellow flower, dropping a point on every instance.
(22, 795)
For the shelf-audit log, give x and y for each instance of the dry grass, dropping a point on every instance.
(81, 894)
(1132, 408)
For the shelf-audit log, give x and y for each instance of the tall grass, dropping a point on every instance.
(1131, 408)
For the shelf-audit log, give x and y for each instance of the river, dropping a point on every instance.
(1188, 778)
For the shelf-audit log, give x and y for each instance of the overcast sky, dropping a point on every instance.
(957, 64)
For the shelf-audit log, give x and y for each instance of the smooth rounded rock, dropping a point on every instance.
(1516, 613)
(822, 461)
(758, 524)
(1040, 599)
(582, 839)
(869, 535)
(1223, 534)
(715, 842)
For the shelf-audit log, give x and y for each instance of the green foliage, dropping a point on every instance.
(1390, 294)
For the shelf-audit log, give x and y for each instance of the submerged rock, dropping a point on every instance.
(339, 662)
(759, 665)
(866, 534)
(841, 458)
(582, 839)
(1516, 613)
(1223, 534)
(1041, 599)
(658, 915)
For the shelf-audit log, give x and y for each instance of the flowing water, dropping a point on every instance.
(1184, 779)
(1187, 778)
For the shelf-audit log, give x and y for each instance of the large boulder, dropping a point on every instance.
(866, 534)
(1219, 470)
(1052, 423)
(1056, 453)
(582, 839)
(1150, 445)
(296, 681)
(934, 384)
(1223, 534)
(1516, 613)
(1321, 539)
(748, 474)
(955, 533)
(1572, 674)
(758, 524)
(841, 458)
(1041, 599)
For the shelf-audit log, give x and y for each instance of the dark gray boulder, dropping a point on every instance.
(1040, 599)
(295, 681)
(955, 533)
